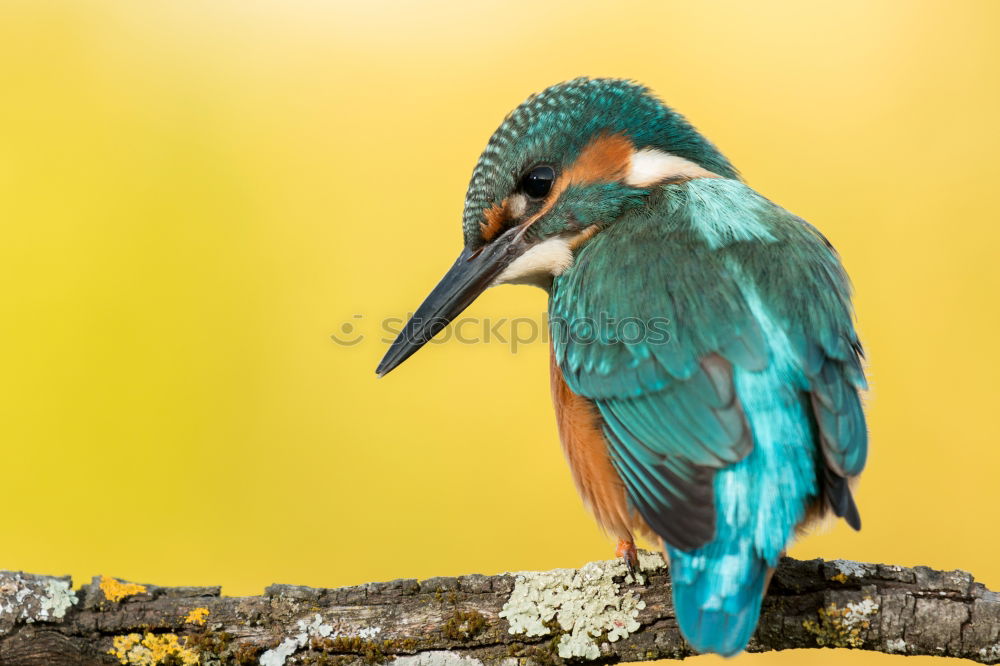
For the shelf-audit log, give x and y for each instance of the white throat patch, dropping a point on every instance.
(554, 255)
(540, 263)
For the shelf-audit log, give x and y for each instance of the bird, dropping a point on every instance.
(706, 373)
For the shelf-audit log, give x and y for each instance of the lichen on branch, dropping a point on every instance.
(564, 615)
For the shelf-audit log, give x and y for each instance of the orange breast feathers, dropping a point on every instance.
(587, 452)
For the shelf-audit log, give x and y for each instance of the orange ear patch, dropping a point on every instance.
(604, 159)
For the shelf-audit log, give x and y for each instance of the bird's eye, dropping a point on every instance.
(537, 182)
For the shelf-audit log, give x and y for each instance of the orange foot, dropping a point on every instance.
(626, 550)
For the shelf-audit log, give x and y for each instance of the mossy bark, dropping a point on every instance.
(897, 610)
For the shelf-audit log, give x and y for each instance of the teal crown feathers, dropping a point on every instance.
(555, 124)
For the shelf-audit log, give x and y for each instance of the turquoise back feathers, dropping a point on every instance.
(726, 433)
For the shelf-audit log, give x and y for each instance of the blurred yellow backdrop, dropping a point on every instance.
(195, 196)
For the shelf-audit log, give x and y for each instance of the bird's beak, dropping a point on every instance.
(470, 275)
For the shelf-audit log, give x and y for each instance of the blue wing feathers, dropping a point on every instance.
(727, 431)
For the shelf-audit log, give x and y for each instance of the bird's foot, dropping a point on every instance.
(626, 550)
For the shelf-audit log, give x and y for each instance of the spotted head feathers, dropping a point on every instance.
(586, 131)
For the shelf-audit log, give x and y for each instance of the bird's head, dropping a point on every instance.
(565, 164)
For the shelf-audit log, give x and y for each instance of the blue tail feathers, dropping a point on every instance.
(717, 598)
(718, 588)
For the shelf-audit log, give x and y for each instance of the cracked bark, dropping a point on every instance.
(914, 611)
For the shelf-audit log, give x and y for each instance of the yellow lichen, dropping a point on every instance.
(151, 650)
(115, 590)
(840, 578)
(197, 616)
(842, 627)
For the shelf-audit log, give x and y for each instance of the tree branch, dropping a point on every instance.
(593, 613)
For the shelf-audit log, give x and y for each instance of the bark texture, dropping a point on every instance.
(594, 614)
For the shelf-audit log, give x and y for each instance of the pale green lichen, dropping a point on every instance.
(991, 654)
(842, 627)
(368, 632)
(896, 646)
(28, 598)
(585, 603)
(56, 600)
(307, 629)
(649, 561)
(849, 568)
(277, 656)
(436, 658)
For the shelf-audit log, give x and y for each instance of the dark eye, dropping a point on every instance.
(537, 182)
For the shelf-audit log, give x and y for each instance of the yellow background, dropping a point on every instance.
(195, 195)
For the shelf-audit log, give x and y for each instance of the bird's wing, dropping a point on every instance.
(650, 323)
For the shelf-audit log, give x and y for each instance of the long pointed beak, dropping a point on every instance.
(470, 275)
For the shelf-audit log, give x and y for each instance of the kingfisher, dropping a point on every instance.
(705, 370)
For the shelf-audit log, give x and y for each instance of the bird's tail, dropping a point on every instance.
(717, 597)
